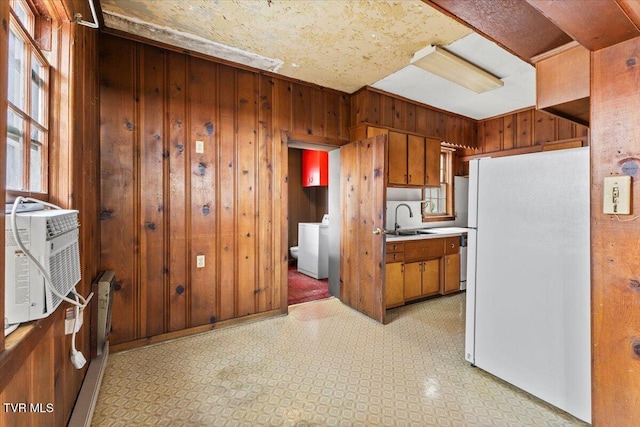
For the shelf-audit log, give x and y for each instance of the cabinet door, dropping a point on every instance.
(394, 291)
(412, 280)
(432, 162)
(397, 158)
(415, 160)
(451, 282)
(431, 277)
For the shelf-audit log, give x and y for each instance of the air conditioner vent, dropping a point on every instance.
(61, 224)
(65, 270)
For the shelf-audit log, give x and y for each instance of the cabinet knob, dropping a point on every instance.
(453, 245)
(377, 231)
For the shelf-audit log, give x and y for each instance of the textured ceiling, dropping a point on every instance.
(340, 44)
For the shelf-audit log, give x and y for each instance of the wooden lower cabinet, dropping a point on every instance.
(421, 268)
(451, 274)
(421, 279)
(394, 284)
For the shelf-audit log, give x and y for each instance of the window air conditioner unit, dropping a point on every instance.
(51, 236)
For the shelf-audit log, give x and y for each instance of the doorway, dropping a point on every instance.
(308, 279)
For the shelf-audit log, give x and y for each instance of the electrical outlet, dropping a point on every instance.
(200, 147)
(200, 261)
(617, 195)
(69, 317)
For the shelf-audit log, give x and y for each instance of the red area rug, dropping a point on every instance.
(303, 288)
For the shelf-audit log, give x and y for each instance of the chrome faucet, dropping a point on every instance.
(396, 226)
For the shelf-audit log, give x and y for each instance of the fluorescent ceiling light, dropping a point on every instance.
(455, 69)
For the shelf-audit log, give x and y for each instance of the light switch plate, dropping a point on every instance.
(200, 147)
(617, 195)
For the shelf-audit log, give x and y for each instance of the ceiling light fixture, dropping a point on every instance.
(445, 64)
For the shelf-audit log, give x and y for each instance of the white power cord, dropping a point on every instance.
(77, 358)
(79, 303)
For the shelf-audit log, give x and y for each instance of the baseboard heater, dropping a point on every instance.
(101, 324)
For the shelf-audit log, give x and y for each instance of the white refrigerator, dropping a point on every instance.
(528, 278)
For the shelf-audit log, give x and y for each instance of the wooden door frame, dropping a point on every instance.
(281, 210)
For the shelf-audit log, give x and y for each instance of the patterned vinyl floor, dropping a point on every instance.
(322, 365)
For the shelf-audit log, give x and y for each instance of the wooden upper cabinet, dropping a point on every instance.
(562, 84)
(398, 158)
(432, 162)
(415, 160)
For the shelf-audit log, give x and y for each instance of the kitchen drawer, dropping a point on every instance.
(452, 245)
(422, 250)
(395, 247)
(394, 257)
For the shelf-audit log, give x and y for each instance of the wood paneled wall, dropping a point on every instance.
(163, 204)
(306, 204)
(525, 128)
(373, 106)
(36, 366)
(615, 150)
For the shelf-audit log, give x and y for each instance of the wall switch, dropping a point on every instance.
(200, 261)
(199, 147)
(617, 195)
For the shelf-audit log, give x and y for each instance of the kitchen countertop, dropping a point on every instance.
(431, 233)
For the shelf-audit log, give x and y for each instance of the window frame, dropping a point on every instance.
(31, 52)
(446, 180)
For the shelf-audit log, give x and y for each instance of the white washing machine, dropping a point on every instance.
(313, 251)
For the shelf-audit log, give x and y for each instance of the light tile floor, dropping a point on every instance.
(322, 365)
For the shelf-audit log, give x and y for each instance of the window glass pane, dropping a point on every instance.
(15, 144)
(16, 70)
(23, 15)
(37, 90)
(35, 165)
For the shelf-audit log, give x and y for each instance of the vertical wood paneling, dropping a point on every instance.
(345, 124)
(265, 193)
(410, 114)
(521, 129)
(247, 176)
(386, 111)
(151, 149)
(372, 107)
(119, 249)
(227, 193)
(18, 391)
(436, 123)
(332, 114)
(357, 107)
(565, 129)
(508, 132)
(225, 203)
(615, 303)
(422, 125)
(318, 113)
(399, 114)
(454, 130)
(493, 135)
(544, 128)
(179, 179)
(42, 386)
(302, 118)
(524, 126)
(203, 206)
